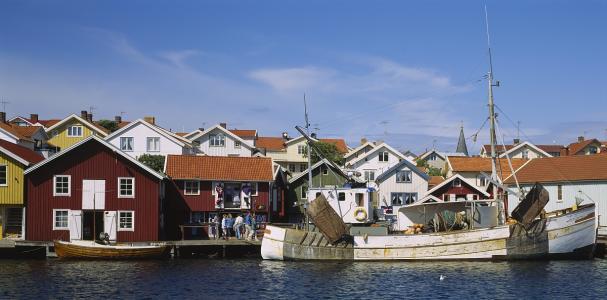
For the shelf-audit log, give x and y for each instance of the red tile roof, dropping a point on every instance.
(244, 133)
(26, 131)
(219, 168)
(483, 164)
(563, 169)
(434, 180)
(25, 153)
(12, 129)
(49, 123)
(546, 148)
(339, 143)
(270, 143)
(574, 148)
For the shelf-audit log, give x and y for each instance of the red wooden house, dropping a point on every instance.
(455, 188)
(203, 186)
(93, 187)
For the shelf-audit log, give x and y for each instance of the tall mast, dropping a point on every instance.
(492, 136)
(309, 159)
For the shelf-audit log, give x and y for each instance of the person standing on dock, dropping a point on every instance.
(224, 226)
(253, 227)
(247, 225)
(215, 227)
(238, 226)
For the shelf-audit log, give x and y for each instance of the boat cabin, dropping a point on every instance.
(354, 205)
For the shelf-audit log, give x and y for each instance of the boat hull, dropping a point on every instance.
(570, 235)
(82, 251)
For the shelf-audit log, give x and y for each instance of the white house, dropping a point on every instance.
(437, 159)
(219, 141)
(525, 150)
(402, 184)
(141, 137)
(375, 162)
(568, 179)
(362, 149)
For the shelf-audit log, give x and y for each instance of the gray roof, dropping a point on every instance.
(461, 143)
(404, 162)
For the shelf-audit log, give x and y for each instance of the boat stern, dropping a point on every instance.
(272, 244)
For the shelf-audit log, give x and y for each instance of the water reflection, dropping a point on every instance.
(247, 278)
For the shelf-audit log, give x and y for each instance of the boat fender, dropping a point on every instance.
(360, 214)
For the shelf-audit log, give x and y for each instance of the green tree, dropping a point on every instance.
(329, 151)
(110, 125)
(156, 162)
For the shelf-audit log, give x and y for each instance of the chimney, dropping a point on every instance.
(580, 139)
(83, 114)
(34, 118)
(285, 135)
(118, 119)
(150, 119)
(201, 129)
(313, 135)
(89, 117)
(363, 141)
(224, 125)
(2, 117)
(517, 141)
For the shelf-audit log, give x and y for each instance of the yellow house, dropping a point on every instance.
(72, 130)
(14, 159)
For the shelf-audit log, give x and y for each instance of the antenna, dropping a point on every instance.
(309, 160)
(518, 130)
(4, 103)
(91, 109)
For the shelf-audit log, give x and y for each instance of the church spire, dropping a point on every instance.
(461, 143)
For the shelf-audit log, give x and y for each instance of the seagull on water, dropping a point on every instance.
(442, 277)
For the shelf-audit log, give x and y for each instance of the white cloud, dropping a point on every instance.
(179, 57)
(294, 79)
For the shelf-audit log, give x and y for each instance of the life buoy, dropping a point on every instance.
(360, 214)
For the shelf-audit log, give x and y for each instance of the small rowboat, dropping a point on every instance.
(91, 250)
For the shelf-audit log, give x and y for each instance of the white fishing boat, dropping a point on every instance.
(483, 231)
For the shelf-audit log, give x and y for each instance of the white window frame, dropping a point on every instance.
(302, 149)
(71, 128)
(132, 143)
(5, 174)
(381, 156)
(67, 226)
(132, 220)
(217, 140)
(69, 186)
(325, 170)
(481, 180)
(367, 174)
(147, 144)
(256, 185)
(237, 144)
(185, 185)
(120, 188)
(457, 182)
(405, 181)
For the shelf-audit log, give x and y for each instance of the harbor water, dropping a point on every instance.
(255, 278)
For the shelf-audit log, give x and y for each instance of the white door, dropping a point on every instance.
(74, 222)
(109, 224)
(93, 194)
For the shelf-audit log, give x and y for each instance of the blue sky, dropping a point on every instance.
(400, 71)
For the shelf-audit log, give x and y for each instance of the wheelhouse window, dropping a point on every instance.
(341, 196)
(126, 187)
(61, 185)
(3, 175)
(126, 143)
(383, 156)
(404, 176)
(153, 144)
(369, 175)
(74, 131)
(126, 220)
(217, 140)
(192, 187)
(60, 219)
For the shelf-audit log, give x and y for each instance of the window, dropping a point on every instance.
(60, 219)
(593, 150)
(126, 143)
(302, 149)
(432, 157)
(217, 140)
(61, 185)
(74, 131)
(303, 167)
(457, 182)
(153, 144)
(360, 199)
(369, 175)
(410, 198)
(237, 144)
(192, 187)
(54, 133)
(126, 187)
(525, 153)
(341, 196)
(304, 192)
(126, 220)
(559, 192)
(292, 168)
(403, 198)
(403, 176)
(383, 156)
(325, 171)
(254, 189)
(3, 175)
(481, 180)
(397, 198)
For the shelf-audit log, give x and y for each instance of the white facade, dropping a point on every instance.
(395, 190)
(358, 151)
(217, 141)
(375, 162)
(140, 138)
(587, 191)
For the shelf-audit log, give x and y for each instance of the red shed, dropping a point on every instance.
(456, 188)
(93, 187)
(202, 186)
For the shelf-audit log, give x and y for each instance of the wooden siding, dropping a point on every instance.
(12, 193)
(318, 180)
(92, 161)
(206, 200)
(388, 186)
(63, 141)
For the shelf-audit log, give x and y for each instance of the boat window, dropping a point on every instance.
(360, 199)
(341, 196)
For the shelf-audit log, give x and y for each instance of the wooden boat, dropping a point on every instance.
(92, 250)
